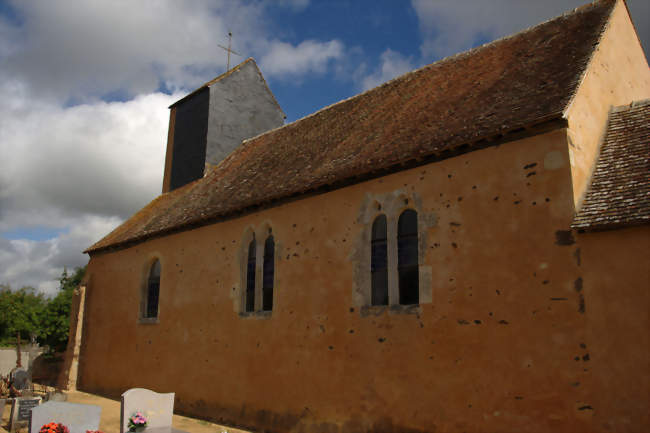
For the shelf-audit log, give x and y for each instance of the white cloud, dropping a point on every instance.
(80, 50)
(79, 166)
(286, 60)
(100, 159)
(80, 170)
(392, 64)
(40, 263)
(452, 26)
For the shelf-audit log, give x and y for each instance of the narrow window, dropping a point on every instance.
(267, 274)
(250, 277)
(378, 262)
(153, 291)
(407, 257)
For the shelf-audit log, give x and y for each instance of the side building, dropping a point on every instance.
(463, 248)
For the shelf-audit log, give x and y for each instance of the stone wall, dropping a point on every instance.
(491, 348)
(8, 357)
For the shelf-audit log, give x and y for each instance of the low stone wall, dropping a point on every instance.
(8, 357)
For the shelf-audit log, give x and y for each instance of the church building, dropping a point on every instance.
(463, 248)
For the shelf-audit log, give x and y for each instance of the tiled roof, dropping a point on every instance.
(456, 104)
(619, 194)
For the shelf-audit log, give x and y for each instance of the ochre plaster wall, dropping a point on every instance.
(618, 74)
(615, 273)
(493, 350)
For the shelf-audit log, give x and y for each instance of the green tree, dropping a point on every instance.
(21, 313)
(55, 317)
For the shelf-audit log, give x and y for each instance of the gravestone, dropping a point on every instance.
(20, 379)
(21, 409)
(77, 417)
(157, 408)
(56, 396)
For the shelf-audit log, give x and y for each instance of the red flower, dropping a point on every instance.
(54, 428)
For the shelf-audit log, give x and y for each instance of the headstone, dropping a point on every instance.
(56, 396)
(20, 379)
(157, 408)
(21, 409)
(77, 417)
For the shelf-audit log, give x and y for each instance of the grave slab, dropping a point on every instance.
(77, 417)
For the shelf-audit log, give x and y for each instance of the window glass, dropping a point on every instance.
(268, 273)
(250, 278)
(407, 257)
(153, 291)
(379, 262)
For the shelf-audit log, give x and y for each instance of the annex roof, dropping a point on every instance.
(619, 194)
(454, 105)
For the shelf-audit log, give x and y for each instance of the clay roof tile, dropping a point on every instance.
(619, 193)
(453, 105)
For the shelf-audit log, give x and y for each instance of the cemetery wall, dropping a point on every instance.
(496, 343)
(8, 358)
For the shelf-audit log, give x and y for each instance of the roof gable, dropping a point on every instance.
(453, 104)
(619, 194)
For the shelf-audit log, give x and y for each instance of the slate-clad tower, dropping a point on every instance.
(209, 123)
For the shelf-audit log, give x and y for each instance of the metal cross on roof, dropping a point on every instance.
(229, 50)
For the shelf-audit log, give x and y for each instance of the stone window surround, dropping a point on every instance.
(260, 234)
(392, 205)
(144, 287)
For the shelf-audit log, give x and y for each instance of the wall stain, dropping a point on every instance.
(564, 237)
(577, 284)
(581, 304)
(576, 254)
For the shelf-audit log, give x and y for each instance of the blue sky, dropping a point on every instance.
(85, 86)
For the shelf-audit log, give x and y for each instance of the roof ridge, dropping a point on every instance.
(445, 60)
(465, 102)
(633, 104)
(583, 73)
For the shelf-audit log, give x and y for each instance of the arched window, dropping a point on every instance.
(250, 277)
(407, 257)
(379, 262)
(153, 291)
(268, 271)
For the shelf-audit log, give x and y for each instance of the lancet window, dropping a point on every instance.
(153, 291)
(250, 277)
(268, 273)
(379, 262)
(407, 257)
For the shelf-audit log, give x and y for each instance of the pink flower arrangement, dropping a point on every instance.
(137, 421)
